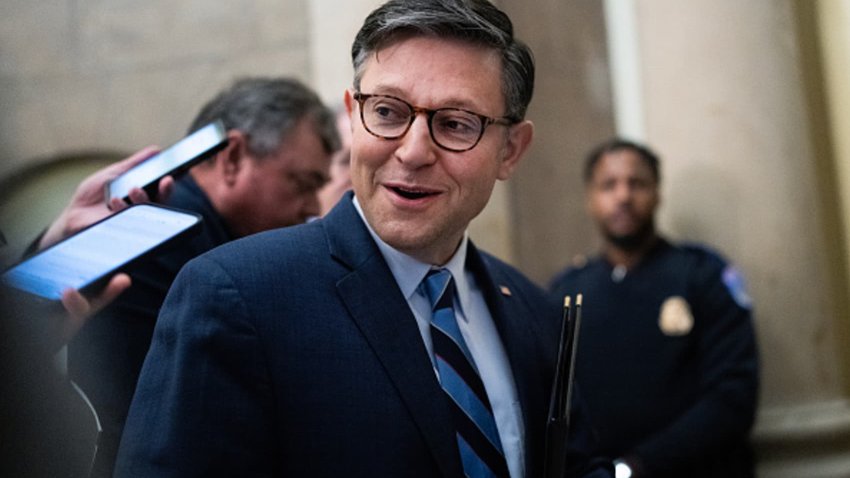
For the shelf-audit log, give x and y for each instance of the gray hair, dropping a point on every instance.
(267, 110)
(474, 21)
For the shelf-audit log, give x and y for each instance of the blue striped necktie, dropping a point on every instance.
(477, 436)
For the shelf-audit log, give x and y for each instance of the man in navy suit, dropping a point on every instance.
(307, 351)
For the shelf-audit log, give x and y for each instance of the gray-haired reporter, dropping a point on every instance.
(311, 351)
(280, 141)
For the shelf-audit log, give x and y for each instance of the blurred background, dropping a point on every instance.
(747, 103)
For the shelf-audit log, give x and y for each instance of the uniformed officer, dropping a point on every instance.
(667, 358)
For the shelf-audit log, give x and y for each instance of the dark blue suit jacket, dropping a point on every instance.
(293, 353)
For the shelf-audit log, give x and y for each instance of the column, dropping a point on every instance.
(733, 103)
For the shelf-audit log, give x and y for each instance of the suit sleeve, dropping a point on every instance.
(203, 403)
(728, 367)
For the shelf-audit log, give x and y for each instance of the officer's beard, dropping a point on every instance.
(634, 241)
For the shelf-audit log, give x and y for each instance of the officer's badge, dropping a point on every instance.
(676, 318)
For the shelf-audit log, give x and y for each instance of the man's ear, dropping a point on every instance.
(348, 101)
(517, 144)
(230, 160)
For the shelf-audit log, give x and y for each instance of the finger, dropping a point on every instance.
(92, 186)
(138, 196)
(75, 304)
(118, 284)
(78, 309)
(166, 186)
(117, 204)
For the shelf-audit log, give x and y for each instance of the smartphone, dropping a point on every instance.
(175, 160)
(88, 259)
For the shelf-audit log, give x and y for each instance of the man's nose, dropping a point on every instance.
(623, 191)
(417, 149)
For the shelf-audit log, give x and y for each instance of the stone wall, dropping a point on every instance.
(106, 75)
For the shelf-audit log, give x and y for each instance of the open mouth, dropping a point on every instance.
(411, 193)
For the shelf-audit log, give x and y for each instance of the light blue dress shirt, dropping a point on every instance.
(479, 331)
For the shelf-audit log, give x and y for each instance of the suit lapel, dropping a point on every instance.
(371, 295)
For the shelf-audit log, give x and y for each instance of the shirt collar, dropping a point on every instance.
(409, 272)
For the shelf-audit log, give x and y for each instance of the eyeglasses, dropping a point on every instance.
(452, 129)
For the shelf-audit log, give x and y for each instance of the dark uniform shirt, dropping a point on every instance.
(667, 360)
(106, 356)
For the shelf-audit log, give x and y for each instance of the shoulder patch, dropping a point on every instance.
(734, 282)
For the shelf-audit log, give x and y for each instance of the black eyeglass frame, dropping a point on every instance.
(414, 110)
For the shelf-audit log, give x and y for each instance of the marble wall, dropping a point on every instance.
(81, 75)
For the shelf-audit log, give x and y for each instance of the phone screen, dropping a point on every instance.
(178, 157)
(98, 250)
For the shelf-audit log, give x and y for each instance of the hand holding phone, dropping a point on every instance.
(87, 205)
(85, 261)
(78, 308)
(173, 161)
